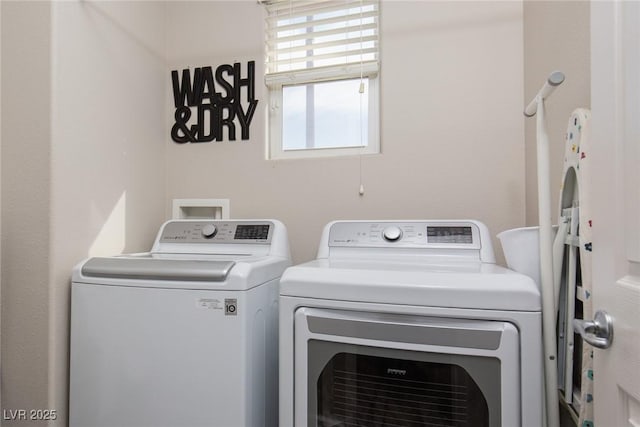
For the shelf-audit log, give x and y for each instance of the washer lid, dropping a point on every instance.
(227, 272)
(451, 285)
(158, 269)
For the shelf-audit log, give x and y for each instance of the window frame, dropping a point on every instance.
(276, 78)
(275, 150)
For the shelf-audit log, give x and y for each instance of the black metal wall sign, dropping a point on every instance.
(217, 100)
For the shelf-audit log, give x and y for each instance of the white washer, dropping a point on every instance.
(185, 335)
(409, 323)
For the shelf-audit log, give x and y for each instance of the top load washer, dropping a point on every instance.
(409, 323)
(184, 335)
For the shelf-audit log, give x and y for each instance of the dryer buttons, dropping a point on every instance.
(392, 234)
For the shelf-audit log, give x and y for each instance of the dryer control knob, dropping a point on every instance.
(209, 231)
(391, 234)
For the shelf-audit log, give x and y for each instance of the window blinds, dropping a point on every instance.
(316, 40)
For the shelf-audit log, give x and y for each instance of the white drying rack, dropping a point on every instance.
(536, 107)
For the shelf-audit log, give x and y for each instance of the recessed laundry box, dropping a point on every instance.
(409, 323)
(184, 335)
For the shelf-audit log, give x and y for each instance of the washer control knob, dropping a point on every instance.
(209, 230)
(391, 234)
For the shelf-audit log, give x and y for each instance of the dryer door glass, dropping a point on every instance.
(353, 385)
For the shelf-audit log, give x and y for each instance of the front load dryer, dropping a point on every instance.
(409, 323)
(185, 335)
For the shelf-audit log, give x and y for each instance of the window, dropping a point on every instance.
(322, 75)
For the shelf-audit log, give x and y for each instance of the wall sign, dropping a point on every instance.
(218, 101)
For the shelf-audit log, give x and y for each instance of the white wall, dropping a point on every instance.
(26, 96)
(83, 173)
(0, 207)
(452, 132)
(556, 37)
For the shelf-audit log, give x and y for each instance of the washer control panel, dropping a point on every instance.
(217, 232)
(418, 234)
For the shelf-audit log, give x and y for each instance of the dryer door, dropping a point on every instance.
(373, 369)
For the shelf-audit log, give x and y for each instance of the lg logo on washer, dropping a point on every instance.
(218, 100)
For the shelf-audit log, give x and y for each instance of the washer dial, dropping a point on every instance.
(392, 234)
(209, 230)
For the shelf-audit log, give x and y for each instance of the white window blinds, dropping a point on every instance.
(316, 40)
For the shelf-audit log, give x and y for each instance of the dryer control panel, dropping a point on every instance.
(408, 234)
(459, 239)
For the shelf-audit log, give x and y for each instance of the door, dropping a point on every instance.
(615, 99)
(362, 368)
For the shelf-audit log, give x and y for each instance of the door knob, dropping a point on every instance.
(597, 332)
